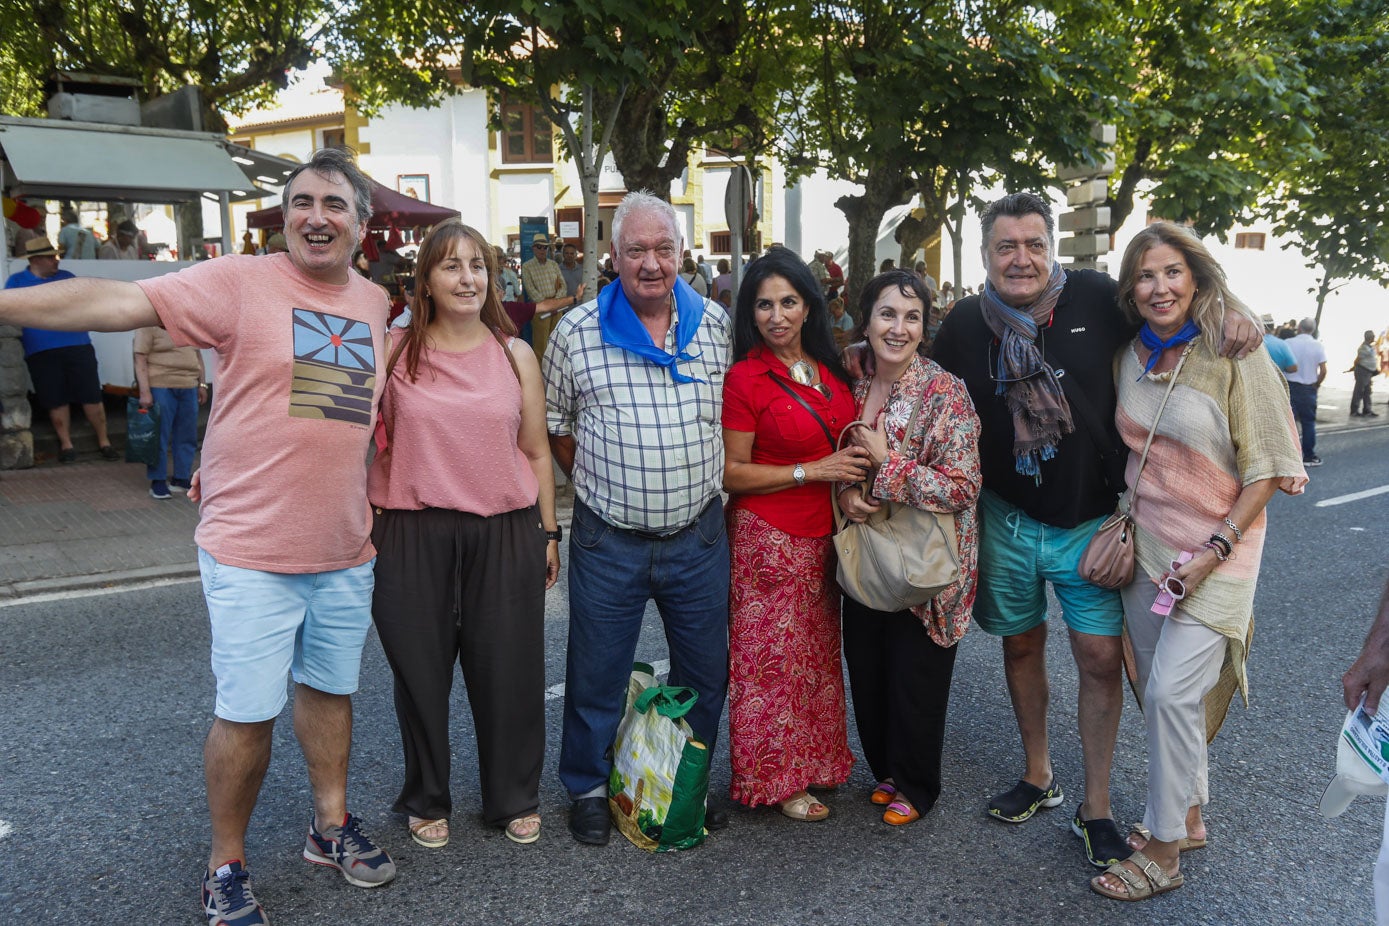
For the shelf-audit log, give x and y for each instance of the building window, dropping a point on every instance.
(1253, 241)
(335, 138)
(722, 242)
(526, 135)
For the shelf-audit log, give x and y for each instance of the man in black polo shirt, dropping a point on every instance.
(1035, 349)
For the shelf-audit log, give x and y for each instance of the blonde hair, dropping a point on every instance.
(1212, 296)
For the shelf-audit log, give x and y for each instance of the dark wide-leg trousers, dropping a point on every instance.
(900, 681)
(457, 586)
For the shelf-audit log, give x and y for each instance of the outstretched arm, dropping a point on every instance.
(82, 304)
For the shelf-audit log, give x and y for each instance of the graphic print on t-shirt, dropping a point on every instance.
(334, 368)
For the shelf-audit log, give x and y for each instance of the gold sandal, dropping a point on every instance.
(524, 830)
(802, 807)
(421, 829)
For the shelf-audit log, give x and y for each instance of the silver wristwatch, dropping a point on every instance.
(798, 474)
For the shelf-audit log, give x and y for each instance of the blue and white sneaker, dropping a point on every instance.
(227, 898)
(351, 851)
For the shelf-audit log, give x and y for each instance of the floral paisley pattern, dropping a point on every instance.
(786, 713)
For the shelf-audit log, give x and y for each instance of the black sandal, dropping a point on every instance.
(1020, 802)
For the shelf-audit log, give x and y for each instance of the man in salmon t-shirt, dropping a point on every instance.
(284, 538)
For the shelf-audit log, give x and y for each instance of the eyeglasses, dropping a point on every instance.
(992, 360)
(1171, 589)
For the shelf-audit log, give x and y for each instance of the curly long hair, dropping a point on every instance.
(438, 246)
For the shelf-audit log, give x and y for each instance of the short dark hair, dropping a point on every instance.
(1015, 206)
(128, 228)
(817, 337)
(342, 161)
(908, 284)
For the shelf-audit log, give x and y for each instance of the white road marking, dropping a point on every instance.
(1352, 497)
(662, 666)
(90, 592)
(5, 829)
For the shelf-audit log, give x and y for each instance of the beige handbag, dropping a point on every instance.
(901, 556)
(1109, 556)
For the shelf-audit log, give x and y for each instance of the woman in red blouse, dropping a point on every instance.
(785, 402)
(900, 664)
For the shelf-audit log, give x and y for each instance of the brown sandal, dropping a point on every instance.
(1148, 881)
(1185, 844)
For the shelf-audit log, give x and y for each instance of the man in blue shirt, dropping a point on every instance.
(1278, 349)
(62, 364)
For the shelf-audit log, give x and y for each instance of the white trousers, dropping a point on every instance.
(1179, 661)
(1382, 875)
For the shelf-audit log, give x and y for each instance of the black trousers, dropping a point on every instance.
(457, 586)
(900, 681)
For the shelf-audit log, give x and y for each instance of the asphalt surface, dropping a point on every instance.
(105, 700)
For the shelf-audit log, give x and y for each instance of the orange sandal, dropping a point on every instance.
(883, 793)
(900, 812)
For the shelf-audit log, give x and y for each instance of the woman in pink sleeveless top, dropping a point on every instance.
(467, 543)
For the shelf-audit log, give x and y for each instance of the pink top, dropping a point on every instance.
(453, 436)
(284, 463)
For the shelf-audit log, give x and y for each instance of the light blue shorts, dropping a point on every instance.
(1018, 556)
(267, 625)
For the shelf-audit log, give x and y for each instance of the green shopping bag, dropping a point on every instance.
(141, 433)
(660, 777)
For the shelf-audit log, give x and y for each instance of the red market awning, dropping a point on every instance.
(389, 210)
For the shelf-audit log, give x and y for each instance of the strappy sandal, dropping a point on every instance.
(883, 794)
(804, 807)
(900, 812)
(432, 834)
(524, 830)
(1185, 844)
(1148, 881)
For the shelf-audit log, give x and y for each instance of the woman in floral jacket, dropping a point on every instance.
(900, 664)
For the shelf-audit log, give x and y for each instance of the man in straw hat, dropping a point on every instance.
(62, 364)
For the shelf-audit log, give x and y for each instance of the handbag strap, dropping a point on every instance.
(829, 435)
(1143, 460)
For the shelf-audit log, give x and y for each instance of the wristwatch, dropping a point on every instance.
(556, 534)
(798, 474)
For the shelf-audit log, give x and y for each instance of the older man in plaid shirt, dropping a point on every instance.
(633, 393)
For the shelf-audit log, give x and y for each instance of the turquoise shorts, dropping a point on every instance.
(1018, 556)
(267, 626)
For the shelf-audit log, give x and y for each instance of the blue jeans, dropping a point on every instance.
(612, 574)
(1304, 401)
(178, 430)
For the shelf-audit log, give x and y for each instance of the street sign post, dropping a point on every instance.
(739, 211)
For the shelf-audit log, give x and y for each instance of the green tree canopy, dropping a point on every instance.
(1335, 205)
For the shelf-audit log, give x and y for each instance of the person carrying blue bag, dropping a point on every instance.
(173, 380)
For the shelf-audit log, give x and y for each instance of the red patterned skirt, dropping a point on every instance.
(786, 714)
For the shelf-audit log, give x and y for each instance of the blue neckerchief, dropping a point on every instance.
(620, 327)
(1188, 332)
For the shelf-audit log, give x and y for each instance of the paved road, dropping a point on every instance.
(106, 700)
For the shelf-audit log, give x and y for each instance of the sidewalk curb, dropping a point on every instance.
(112, 581)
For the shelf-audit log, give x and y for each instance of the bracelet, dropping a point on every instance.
(1223, 541)
(1239, 534)
(1209, 545)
